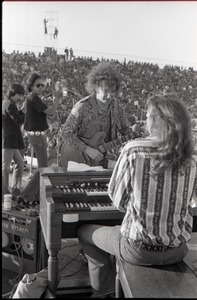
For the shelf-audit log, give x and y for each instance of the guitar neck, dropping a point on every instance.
(118, 142)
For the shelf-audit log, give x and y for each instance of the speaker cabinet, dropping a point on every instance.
(20, 242)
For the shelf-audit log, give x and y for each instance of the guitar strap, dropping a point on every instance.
(114, 120)
(110, 125)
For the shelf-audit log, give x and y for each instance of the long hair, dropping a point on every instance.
(103, 71)
(31, 79)
(171, 120)
(14, 89)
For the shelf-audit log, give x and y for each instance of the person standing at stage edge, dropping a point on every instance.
(99, 112)
(12, 140)
(35, 126)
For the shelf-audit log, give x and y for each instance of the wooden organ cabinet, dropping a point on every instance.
(68, 200)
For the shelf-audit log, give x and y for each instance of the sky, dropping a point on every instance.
(147, 31)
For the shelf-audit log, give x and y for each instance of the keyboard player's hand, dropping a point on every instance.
(94, 153)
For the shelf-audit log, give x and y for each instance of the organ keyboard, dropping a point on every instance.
(84, 195)
(68, 200)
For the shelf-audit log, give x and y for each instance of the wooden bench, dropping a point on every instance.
(173, 281)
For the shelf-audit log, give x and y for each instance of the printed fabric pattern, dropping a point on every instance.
(158, 209)
(86, 120)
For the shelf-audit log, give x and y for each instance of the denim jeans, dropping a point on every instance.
(39, 144)
(98, 242)
(7, 156)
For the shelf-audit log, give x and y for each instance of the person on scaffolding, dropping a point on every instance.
(45, 25)
(55, 33)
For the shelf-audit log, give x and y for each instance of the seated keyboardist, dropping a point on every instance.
(154, 183)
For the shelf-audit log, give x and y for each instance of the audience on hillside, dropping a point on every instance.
(139, 80)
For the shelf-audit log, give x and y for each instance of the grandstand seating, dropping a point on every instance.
(139, 80)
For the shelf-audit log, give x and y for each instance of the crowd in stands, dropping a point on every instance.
(139, 80)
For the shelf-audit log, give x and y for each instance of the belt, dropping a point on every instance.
(155, 248)
(150, 247)
(37, 133)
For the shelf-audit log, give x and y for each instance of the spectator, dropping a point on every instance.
(45, 25)
(66, 53)
(71, 54)
(55, 33)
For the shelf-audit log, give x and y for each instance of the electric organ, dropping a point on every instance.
(68, 200)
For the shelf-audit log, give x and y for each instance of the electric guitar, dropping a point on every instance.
(69, 153)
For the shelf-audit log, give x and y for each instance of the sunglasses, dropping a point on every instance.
(40, 85)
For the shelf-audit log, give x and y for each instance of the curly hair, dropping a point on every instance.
(14, 89)
(103, 71)
(170, 118)
(31, 79)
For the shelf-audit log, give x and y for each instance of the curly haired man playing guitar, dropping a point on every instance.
(92, 129)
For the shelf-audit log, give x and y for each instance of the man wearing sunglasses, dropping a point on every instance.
(35, 126)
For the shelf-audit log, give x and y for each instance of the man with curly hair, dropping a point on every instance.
(96, 120)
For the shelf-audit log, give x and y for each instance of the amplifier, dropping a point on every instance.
(20, 242)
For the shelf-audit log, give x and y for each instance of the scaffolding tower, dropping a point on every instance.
(51, 31)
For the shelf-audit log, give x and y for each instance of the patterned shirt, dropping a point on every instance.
(85, 120)
(158, 209)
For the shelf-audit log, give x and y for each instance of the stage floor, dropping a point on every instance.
(74, 274)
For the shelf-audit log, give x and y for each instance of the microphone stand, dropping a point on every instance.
(58, 135)
(58, 139)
